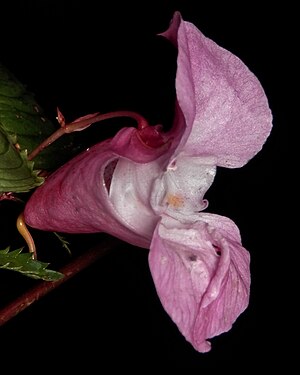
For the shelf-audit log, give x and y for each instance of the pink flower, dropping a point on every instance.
(147, 187)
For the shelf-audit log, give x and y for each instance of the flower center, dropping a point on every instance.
(175, 201)
(180, 189)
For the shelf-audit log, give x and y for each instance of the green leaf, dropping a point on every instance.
(23, 126)
(22, 262)
(16, 172)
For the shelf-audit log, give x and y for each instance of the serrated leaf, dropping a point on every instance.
(23, 124)
(16, 172)
(23, 263)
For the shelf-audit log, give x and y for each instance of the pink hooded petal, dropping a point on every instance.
(201, 273)
(75, 199)
(225, 107)
(107, 188)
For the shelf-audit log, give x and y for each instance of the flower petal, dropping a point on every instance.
(75, 199)
(201, 273)
(107, 188)
(225, 107)
(180, 188)
(130, 192)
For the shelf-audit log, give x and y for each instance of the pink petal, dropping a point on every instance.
(75, 199)
(106, 188)
(225, 107)
(201, 273)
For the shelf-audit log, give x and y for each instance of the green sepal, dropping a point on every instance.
(23, 263)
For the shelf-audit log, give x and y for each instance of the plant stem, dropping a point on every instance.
(23, 230)
(84, 122)
(70, 270)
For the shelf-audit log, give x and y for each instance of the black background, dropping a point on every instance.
(90, 56)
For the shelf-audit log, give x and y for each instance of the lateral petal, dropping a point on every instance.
(225, 107)
(201, 273)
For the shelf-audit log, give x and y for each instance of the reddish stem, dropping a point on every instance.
(85, 122)
(44, 287)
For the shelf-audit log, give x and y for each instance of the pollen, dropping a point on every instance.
(175, 201)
